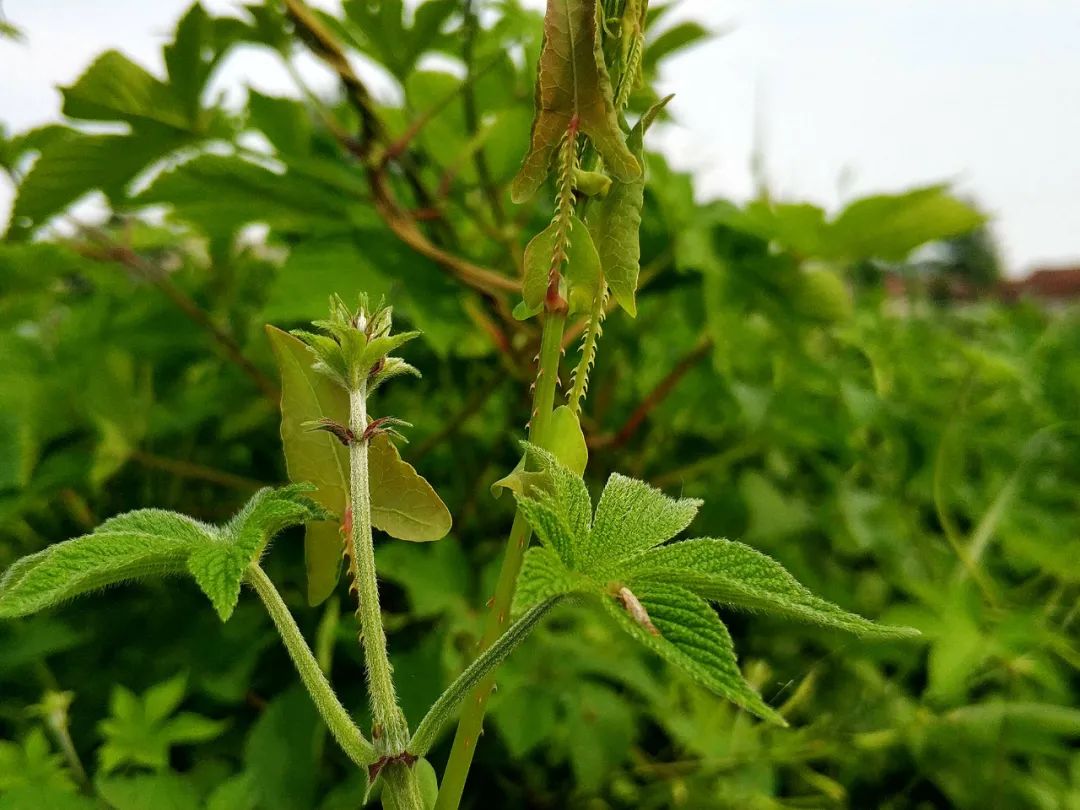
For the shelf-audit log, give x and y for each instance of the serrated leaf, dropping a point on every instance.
(543, 576)
(572, 81)
(139, 544)
(615, 222)
(557, 500)
(630, 518)
(690, 636)
(735, 574)
(219, 566)
(403, 503)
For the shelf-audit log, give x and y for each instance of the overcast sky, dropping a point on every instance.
(847, 97)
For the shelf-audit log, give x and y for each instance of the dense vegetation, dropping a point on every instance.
(915, 464)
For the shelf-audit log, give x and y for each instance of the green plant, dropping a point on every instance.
(878, 457)
(577, 119)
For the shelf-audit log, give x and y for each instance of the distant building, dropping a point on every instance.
(1048, 285)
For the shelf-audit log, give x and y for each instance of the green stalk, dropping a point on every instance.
(390, 731)
(401, 790)
(472, 716)
(337, 719)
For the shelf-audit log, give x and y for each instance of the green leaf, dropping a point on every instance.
(32, 764)
(75, 164)
(153, 542)
(199, 44)
(543, 576)
(428, 782)
(427, 733)
(313, 456)
(114, 88)
(615, 222)
(162, 791)
(282, 779)
(219, 566)
(222, 193)
(403, 503)
(141, 731)
(675, 39)
(37, 798)
(566, 441)
(632, 517)
(285, 122)
(583, 271)
(735, 574)
(891, 226)
(572, 81)
(131, 546)
(691, 636)
(557, 505)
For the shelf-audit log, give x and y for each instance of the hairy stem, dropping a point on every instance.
(400, 781)
(345, 732)
(588, 350)
(472, 716)
(390, 730)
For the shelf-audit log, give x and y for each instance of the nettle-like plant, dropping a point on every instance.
(349, 478)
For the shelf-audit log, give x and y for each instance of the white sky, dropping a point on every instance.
(848, 97)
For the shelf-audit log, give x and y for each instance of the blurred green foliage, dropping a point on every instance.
(914, 464)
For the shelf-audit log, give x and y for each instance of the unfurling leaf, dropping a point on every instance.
(582, 274)
(572, 83)
(615, 222)
(403, 503)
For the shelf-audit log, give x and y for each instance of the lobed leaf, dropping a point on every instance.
(220, 565)
(690, 636)
(543, 576)
(138, 544)
(572, 82)
(735, 574)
